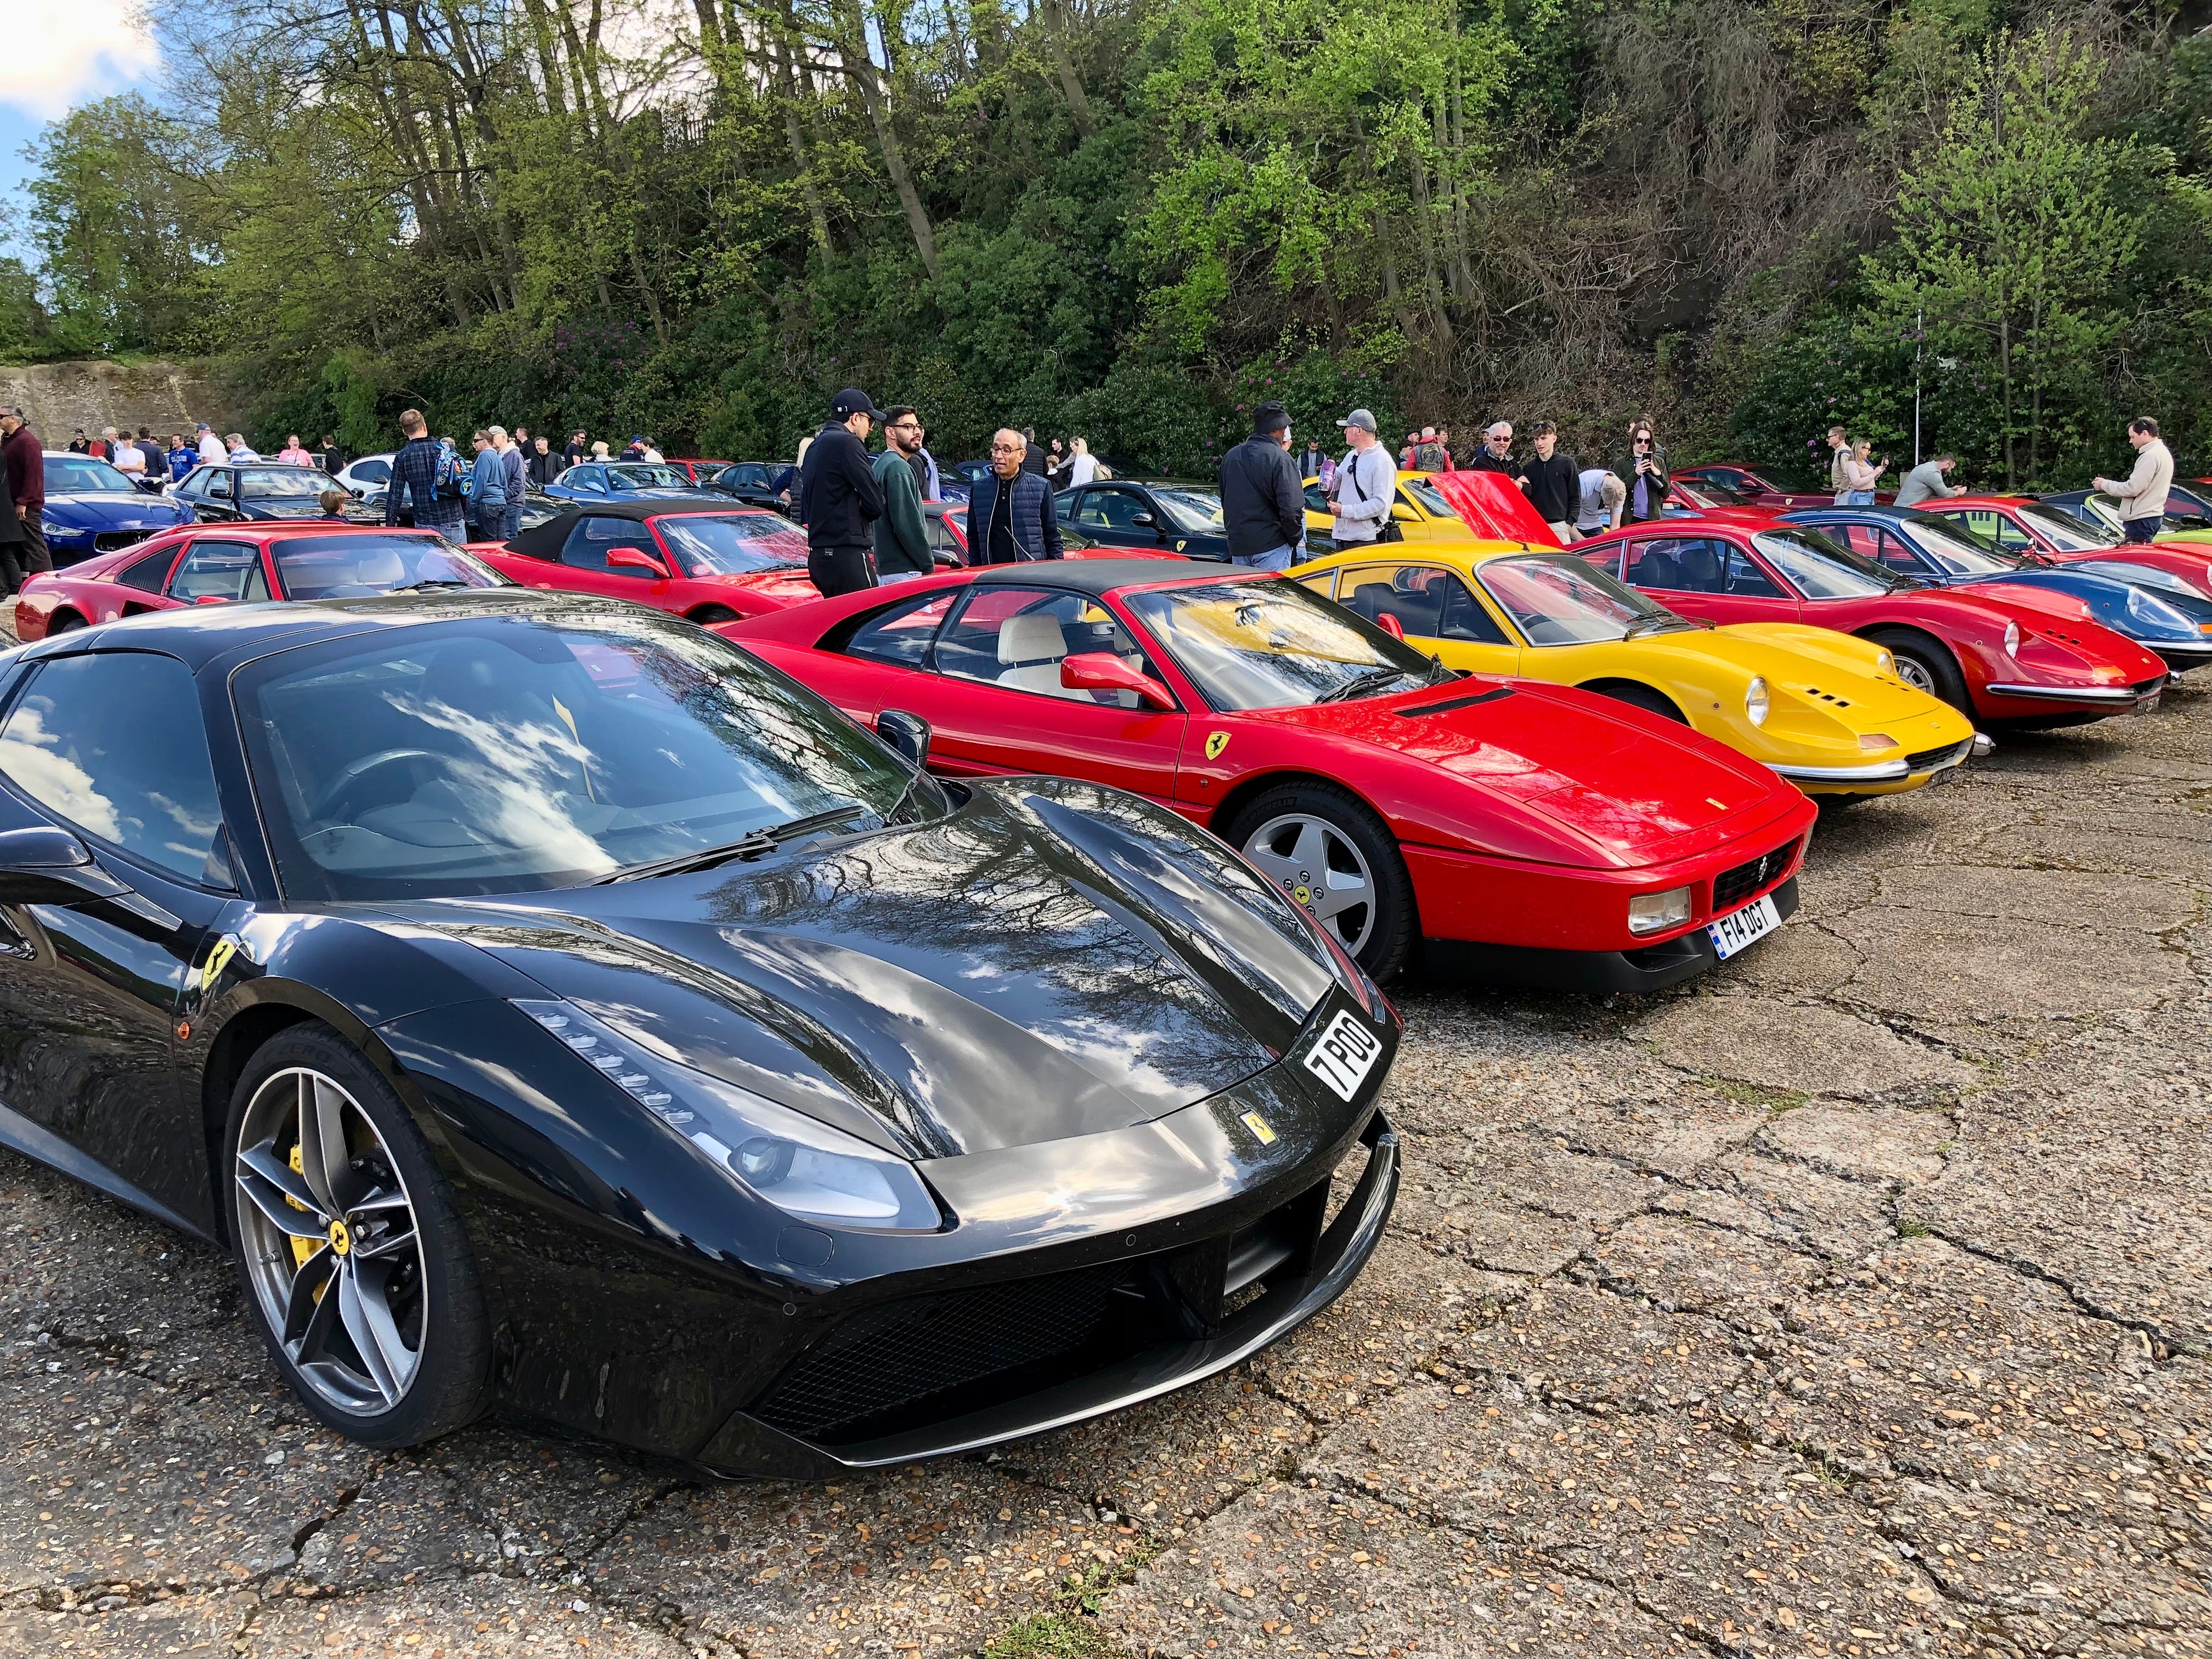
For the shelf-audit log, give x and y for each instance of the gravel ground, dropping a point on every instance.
(1855, 1301)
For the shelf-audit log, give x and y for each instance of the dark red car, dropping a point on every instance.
(1755, 489)
(1531, 834)
(697, 470)
(1998, 658)
(243, 564)
(2019, 524)
(708, 561)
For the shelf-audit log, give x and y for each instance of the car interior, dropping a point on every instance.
(230, 571)
(1017, 637)
(1423, 599)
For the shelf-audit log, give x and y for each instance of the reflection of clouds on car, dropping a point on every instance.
(27, 754)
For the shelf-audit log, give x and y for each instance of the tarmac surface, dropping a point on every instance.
(1858, 1301)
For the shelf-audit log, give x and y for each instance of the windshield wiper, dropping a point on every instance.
(434, 581)
(1364, 683)
(755, 844)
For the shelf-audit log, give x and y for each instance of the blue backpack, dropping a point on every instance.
(453, 483)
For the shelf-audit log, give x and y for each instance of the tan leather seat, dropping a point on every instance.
(1031, 645)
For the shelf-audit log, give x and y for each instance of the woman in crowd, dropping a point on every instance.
(1647, 479)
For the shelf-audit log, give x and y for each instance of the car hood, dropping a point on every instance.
(116, 509)
(1051, 959)
(1629, 786)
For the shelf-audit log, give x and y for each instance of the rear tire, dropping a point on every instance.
(1640, 697)
(67, 623)
(707, 614)
(374, 1316)
(1925, 665)
(1324, 850)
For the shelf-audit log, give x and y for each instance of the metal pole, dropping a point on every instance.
(1919, 339)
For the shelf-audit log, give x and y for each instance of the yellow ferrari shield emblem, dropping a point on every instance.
(1258, 1126)
(218, 959)
(1215, 743)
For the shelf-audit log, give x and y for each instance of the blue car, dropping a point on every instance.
(620, 481)
(91, 507)
(2155, 612)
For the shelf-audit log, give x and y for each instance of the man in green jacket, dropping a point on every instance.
(902, 538)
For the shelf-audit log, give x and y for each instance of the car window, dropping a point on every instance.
(639, 475)
(112, 743)
(372, 471)
(898, 635)
(218, 486)
(1190, 511)
(1557, 599)
(1426, 599)
(1108, 509)
(192, 483)
(1991, 526)
(1888, 549)
(375, 561)
(1316, 498)
(1267, 643)
(1063, 505)
(1662, 563)
(148, 575)
(591, 480)
(941, 538)
(2064, 531)
(1950, 546)
(1821, 570)
(281, 483)
(730, 544)
(1016, 637)
(1427, 497)
(220, 570)
(71, 475)
(592, 536)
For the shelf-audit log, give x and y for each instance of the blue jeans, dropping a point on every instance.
(2143, 530)
(1856, 498)
(1275, 558)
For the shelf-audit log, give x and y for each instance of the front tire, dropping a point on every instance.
(1640, 697)
(1925, 665)
(707, 614)
(1324, 850)
(66, 622)
(354, 1264)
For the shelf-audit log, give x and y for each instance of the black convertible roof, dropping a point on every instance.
(1105, 575)
(544, 542)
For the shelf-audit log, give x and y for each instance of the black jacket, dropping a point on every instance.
(1263, 504)
(838, 489)
(1026, 503)
(1555, 487)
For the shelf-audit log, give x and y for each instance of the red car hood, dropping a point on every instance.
(1493, 505)
(1632, 788)
(793, 587)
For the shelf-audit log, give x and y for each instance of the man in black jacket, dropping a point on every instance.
(1554, 483)
(1263, 505)
(842, 497)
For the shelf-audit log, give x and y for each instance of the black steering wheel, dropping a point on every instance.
(342, 785)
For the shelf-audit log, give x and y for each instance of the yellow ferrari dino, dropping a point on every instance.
(1825, 710)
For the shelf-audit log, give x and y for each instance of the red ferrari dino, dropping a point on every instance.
(1531, 834)
(242, 564)
(1998, 658)
(710, 559)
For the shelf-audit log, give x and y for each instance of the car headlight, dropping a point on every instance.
(2012, 639)
(1755, 702)
(1884, 663)
(1649, 913)
(2154, 612)
(803, 1166)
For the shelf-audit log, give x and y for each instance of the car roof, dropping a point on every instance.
(544, 540)
(1872, 511)
(199, 634)
(1096, 576)
(1991, 499)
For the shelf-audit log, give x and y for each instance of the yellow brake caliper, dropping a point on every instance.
(301, 1248)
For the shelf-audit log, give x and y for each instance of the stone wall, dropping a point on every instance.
(164, 398)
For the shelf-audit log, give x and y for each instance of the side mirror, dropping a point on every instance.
(1403, 513)
(635, 558)
(905, 735)
(1141, 522)
(1101, 671)
(43, 866)
(1390, 625)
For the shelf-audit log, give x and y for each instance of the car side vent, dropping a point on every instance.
(1451, 703)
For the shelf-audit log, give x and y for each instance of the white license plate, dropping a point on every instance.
(2149, 704)
(1344, 1054)
(1740, 927)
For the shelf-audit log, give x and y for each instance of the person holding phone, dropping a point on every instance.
(1647, 478)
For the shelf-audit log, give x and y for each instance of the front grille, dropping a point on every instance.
(2144, 688)
(108, 540)
(1732, 887)
(1927, 757)
(902, 1354)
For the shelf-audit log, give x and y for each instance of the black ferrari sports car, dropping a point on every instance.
(555, 1008)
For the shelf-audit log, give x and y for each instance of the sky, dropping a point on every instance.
(62, 54)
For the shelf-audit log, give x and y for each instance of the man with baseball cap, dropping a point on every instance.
(841, 498)
(1263, 504)
(1366, 483)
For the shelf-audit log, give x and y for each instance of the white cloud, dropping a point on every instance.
(62, 54)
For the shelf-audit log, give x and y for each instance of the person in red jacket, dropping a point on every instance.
(24, 459)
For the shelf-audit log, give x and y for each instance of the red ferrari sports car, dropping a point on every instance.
(1531, 834)
(243, 564)
(710, 560)
(1754, 489)
(2017, 524)
(1996, 658)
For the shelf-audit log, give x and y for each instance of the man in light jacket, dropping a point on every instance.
(2142, 492)
(1263, 504)
(1366, 483)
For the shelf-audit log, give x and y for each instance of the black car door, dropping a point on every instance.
(217, 501)
(1116, 515)
(96, 969)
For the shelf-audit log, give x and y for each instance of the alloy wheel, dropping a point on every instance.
(331, 1243)
(1915, 674)
(1314, 864)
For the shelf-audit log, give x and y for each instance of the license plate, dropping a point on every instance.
(1942, 775)
(1344, 1054)
(1740, 927)
(2149, 704)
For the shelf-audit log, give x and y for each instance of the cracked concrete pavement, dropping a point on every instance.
(1855, 1301)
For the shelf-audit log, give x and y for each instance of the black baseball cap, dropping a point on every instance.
(1269, 418)
(853, 401)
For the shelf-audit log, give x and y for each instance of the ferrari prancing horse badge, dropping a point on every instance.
(1215, 743)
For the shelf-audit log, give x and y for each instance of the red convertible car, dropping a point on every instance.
(2016, 524)
(2000, 660)
(242, 564)
(706, 560)
(1531, 834)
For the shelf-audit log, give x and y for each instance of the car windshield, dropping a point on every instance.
(1190, 511)
(499, 753)
(1820, 569)
(1271, 644)
(261, 484)
(2063, 531)
(1714, 493)
(355, 567)
(732, 544)
(1565, 601)
(1956, 548)
(77, 475)
(1430, 498)
(640, 476)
